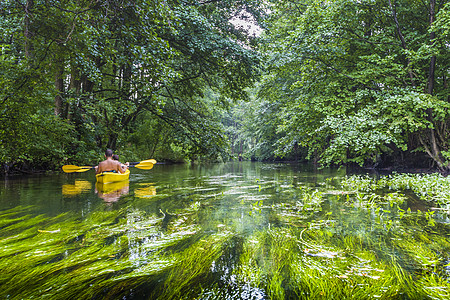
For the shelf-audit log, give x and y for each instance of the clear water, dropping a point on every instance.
(221, 231)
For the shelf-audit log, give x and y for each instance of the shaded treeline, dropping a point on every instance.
(81, 76)
(343, 81)
(361, 82)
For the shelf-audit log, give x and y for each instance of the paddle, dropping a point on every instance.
(145, 165)
(144, 161)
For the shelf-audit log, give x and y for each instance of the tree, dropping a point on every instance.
(103, 66)
(361, 79)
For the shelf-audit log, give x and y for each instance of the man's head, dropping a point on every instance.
(108, 153)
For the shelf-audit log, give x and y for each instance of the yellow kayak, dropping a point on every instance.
(107, 177)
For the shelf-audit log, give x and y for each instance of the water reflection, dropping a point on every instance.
(111, 192)
(224, 231)
(145, 190)
(77, 188)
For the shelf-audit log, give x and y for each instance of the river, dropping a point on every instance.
(239, 230)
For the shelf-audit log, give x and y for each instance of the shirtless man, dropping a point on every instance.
(109, 164)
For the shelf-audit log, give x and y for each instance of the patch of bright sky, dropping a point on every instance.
(246, 21)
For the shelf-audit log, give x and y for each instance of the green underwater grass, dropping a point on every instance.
(64, 257)
(287, 267)
(398, 254)
(355, 240)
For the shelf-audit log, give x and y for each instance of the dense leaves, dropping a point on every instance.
(344, 81)
(360, 80)
(105, 68)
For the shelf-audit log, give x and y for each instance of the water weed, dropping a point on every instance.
(353, 237)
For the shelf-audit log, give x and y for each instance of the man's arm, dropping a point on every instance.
(124, 167)
(119, 168)
(99, 169)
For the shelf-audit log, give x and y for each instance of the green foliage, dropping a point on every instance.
(428, 187)
(251, 127)
(349, 79)
(344, 81)
(370, 130)
(442, 27)
(104, 67)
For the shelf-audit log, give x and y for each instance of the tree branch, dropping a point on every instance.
(402, 39)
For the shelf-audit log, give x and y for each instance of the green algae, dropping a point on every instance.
(83, 259)
(351, 238)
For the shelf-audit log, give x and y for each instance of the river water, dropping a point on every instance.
(239, 230)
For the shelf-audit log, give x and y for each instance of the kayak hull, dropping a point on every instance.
(108, 177)
(112, 187)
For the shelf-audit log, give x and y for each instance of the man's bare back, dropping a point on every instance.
(109, 165)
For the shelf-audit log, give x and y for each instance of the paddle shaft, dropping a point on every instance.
(145, 164)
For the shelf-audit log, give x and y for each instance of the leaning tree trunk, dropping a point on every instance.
(432, 145)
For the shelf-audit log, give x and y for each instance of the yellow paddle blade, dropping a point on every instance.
(153, 161)
(73, 168)
(85, 168)
(145, 165)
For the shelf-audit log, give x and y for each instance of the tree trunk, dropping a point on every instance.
(59, 85)
(444, 78)
(27, 31)
(112, 141)
(433, 58)
(74, 88)
(434, 148)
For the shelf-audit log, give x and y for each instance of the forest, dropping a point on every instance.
(362, 82)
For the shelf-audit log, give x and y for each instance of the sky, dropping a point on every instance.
(247, 22)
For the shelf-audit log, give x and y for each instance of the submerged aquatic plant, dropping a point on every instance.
(288, 265)
(300, 241)
(65, 257)
(192, 266)
(428, 187)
